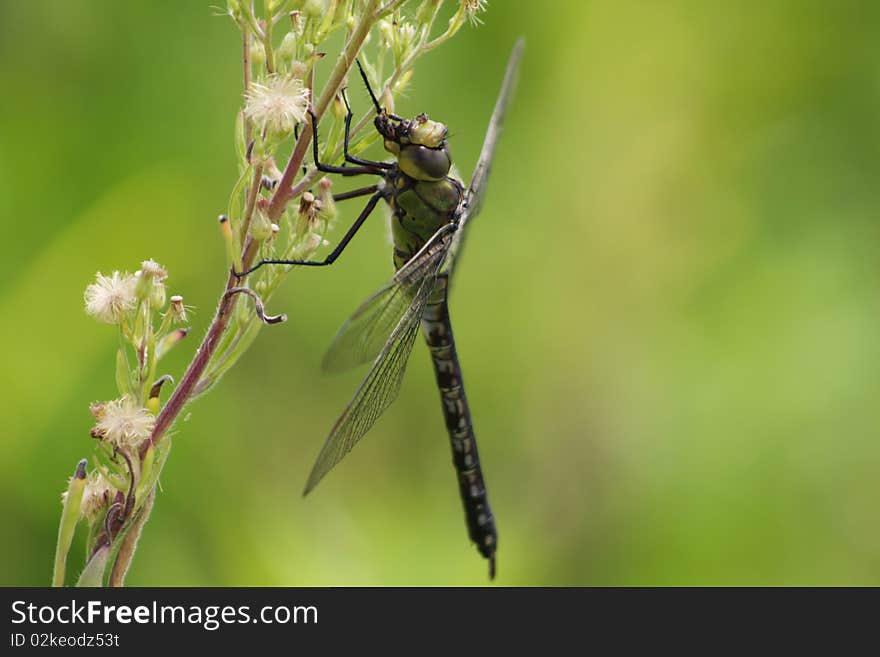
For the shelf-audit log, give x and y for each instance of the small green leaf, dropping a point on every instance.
(93, 574)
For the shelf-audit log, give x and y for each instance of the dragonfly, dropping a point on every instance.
(431, 210)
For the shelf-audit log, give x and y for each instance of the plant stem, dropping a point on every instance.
(191, 383)
(129, 543)
(190, 380)
(282, 192)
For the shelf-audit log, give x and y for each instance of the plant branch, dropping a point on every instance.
(334, 83)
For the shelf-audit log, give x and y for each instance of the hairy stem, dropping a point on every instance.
(129, 543)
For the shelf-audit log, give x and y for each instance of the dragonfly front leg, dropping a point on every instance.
(346, 141)
(331, 258)
(342, 171)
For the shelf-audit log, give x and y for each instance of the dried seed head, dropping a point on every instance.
(96, 495)
(307, 214)
(327, 212)
(110, 297)
(97, 410)
(297, 22)
(472, 8)
(277, 106)
(178, 310)
(153, 270)
(124, 424)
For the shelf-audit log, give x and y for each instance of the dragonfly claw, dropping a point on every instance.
(258, 305)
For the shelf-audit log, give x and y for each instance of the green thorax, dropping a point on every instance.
(422, 194)
(419, 209)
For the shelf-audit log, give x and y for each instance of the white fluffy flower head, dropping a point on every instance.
(123, 424)
(110, 297)
(278, 105)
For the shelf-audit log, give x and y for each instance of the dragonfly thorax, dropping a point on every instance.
(422, 194)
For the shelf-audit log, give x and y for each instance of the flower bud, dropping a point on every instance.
(308, 246)
(261, 227)
(287, 50)
(258, 55)
(313, 8)
(275, 230)
(297, 23)
(338, 107)
(72, 499)
(327, 211)
(150, 283)
(171, 339)
(157, 295)
(305, 214)
(386, 34)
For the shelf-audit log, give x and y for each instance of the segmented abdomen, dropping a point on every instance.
(437, 329)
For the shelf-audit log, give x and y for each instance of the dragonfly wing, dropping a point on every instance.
(363, 336)
(476, 191)
(381, 385)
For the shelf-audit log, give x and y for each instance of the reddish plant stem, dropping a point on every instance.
(334, 83)
(190, 381)
(188, 384)
(194, 372)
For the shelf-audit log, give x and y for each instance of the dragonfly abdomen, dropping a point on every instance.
(437, 329)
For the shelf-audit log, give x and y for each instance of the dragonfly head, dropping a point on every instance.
(419, 144)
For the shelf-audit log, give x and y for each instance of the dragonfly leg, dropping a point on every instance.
(379, 109)
(343, 171)
(331, 258)
(355, 193)
(346, 141)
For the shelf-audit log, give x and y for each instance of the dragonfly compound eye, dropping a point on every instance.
(424, 163)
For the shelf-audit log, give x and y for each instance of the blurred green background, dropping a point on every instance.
(668, 314)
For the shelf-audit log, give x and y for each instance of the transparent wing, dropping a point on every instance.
(381, 385)
(477, 189)
(364, 334)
